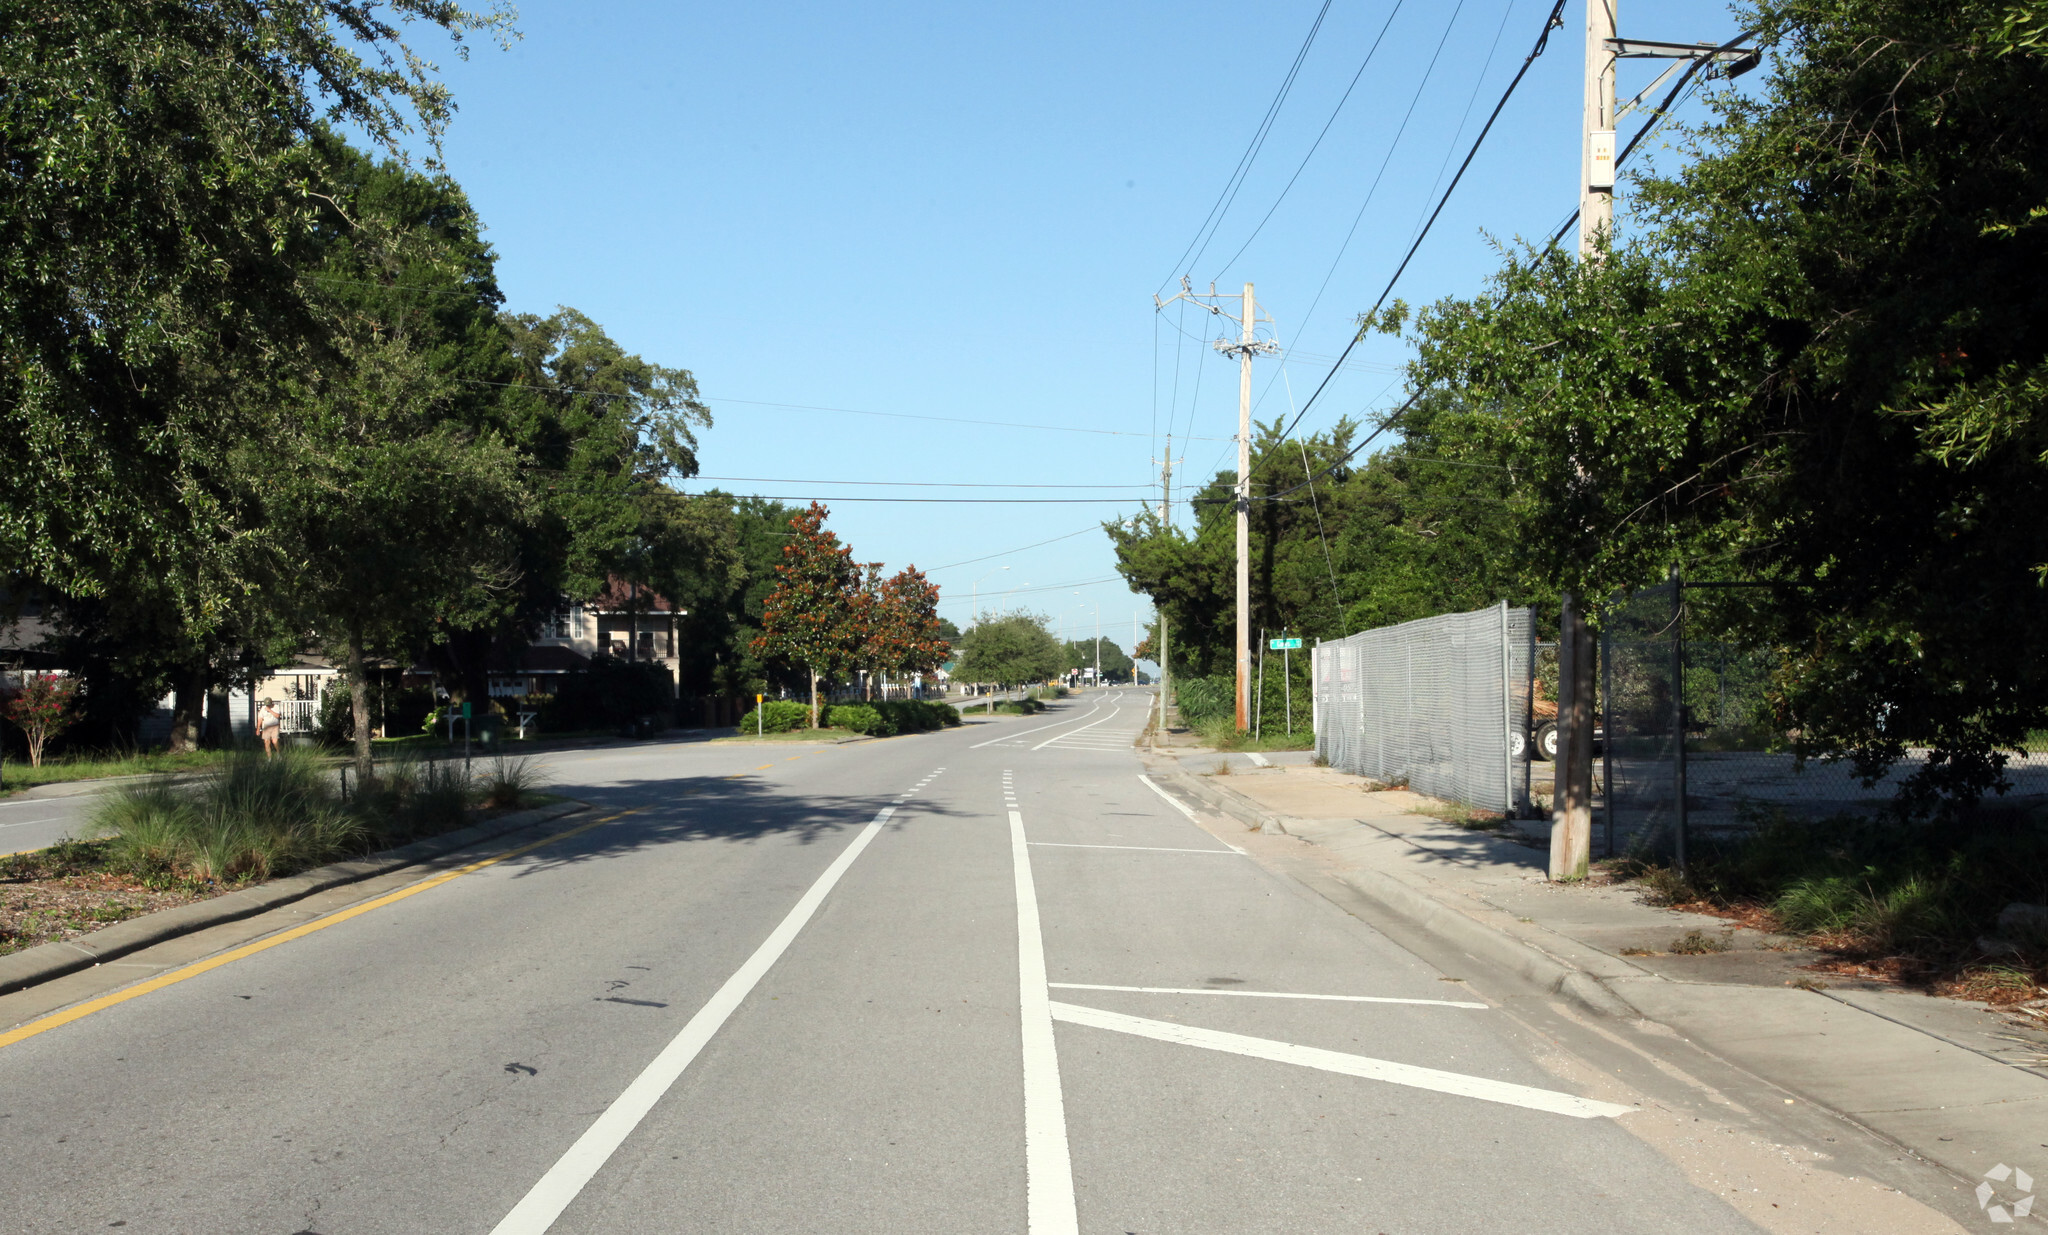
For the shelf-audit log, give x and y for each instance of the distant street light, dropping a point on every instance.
(977, 596)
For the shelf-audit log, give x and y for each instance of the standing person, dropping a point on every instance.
(268, 725)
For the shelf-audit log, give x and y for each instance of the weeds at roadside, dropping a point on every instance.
(1469, 818)
(1882, 897)
(1699, 943)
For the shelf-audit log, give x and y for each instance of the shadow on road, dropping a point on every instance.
(702, 808)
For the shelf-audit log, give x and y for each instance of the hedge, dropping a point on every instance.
(776, 716)
(858, 718)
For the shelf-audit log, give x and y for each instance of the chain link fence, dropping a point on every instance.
(1690, 746)
(1441, 703)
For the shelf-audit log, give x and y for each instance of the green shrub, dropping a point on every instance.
(776, 716)
(948, 715)
(915, 715)
(1207, 698)
(857, 718)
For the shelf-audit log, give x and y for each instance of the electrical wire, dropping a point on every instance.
(1657, 116)
(945, 501)
(1550, 23)
(810, 407)
(1451, 147)
(1393, 417)
(1214, 219)
(917, 484)
(1093, 527)
(1371, 192)
(1391, 13)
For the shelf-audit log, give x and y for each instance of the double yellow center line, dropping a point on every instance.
(175, 976)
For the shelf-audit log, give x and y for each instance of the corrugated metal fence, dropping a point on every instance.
(1440, 703)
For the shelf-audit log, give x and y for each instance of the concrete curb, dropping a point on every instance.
(1238, 807)
(1441, 918)
(54, 960)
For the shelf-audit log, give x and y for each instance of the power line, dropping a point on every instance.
(1373, 189)
(1391, 13)
(1093, 527)
(1043, 587)
(1657, 117)
(953, 501)
(1550, 23)
(1142, 489)
(1214, 218)
(810, 407)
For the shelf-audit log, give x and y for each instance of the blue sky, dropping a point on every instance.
(963, 211)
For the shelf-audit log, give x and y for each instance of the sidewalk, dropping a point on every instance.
(1943, 1078)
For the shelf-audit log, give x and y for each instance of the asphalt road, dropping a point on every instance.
(989, 980)
(38, 823)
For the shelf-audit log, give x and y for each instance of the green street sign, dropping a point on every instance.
(1283, 645)
(465, 709)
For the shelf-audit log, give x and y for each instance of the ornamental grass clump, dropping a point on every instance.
(250, 819)
(509, 784)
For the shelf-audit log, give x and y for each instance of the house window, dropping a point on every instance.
(567, 624)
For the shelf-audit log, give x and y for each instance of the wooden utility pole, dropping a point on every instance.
(1165, 515)
(1248, 345)
(1571, 800)
(1244, 508)
(1596, 154)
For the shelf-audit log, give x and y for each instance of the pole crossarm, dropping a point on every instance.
(1651, 49)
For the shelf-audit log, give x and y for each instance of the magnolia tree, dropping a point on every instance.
(898, 623)
(809, 619)
(45, 706)
(829, 614)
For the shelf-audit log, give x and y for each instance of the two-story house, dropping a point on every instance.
(627, 620)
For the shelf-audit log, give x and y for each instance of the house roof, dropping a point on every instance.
(618, 596)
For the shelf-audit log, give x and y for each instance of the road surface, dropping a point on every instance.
(988, 980)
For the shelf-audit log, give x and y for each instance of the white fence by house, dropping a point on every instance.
(1438, 703)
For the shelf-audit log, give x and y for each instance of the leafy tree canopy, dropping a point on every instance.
(1009, 650)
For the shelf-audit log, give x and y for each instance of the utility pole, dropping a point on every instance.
(1165, 512)
(1571, 832)
(1596, 155)
(1247, 346)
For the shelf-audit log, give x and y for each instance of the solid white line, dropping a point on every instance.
(1011, 737)
(1458, 1083)
(1177, 990)
(1048, 1170)
(546, 1200)
(1083, 729)
(1172, 801)
(1054, 844)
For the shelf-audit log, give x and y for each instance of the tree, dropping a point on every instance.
(1810, 363)
(399, 516)
(1009, 649)
(898, 624)
(157, 191)
(1408, 533)
(808, 619)
(1083, 654)
(44, 707)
